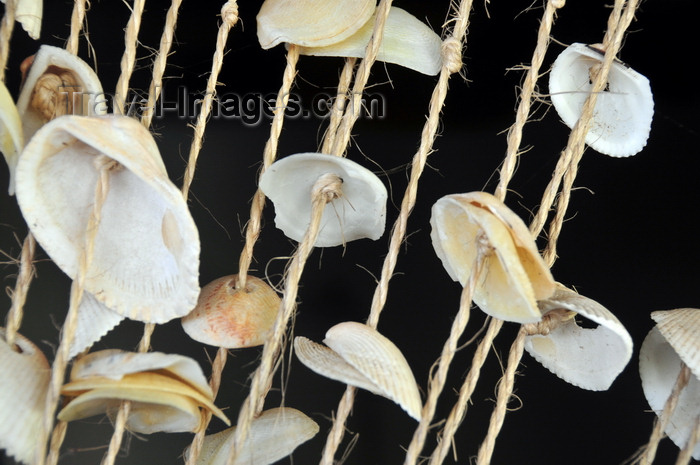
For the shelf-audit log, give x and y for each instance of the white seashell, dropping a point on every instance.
(659, 366)
(272, 436)
(585, 357)
(95, 320)
(145, 264)
(359, 213)
(311, 22)
(25, 380)
(29, 13)
(375, 363)
(681, 328)
(623, 112)
(514, 275)
(11, 135)
(406, 41)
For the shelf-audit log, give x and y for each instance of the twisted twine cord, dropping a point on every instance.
(7, 25)
(338, 107)
(19, 294)
(76, 25)
(686, 454)
(128, 57)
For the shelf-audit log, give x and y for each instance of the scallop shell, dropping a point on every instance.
(659, 366)
(29, 13)
(681, 328)
(362, 357)
(406, 42)
(145, 264)
(11, 135)
(359, 213)
(585, 357)
(95, 320)
(311, 22)
(233, 318)
(514, 274)
(272, 436)
(25, 380)
(623, 112)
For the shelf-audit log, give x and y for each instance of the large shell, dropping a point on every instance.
(25, 380)
(585, 357)
(311, 22)
(514, 274)
(362, 357)
(681, 328)
(145, 264)
(11, 135)
(272, 436)
(226, 316)
(358, 213)
(406, 41)
(29, 13)
(624, 110)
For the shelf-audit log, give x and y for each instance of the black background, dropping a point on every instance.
(630, 241)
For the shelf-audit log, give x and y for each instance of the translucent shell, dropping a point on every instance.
(514, 276)
(406, 42)
(585, 357)
(29, 14)
(624, 110)
(25, 380)
(11, 135)
(358, 355)
(359, 213)
(272, 436)
(145, 264)
(311, 22)
(233, 318)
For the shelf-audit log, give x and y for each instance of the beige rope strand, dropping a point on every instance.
(128, 57)
(338, 107)
(57, 437)
(76, 25)
(7, 25)
(115, 441)
(686, 454)
(19, 294)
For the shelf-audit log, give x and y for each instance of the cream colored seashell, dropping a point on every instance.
(95, 320)
(11, 135)
(362, 357)
(585, 357)
(659, 366)
(29, 13)
(681, 328)
(25, 380)
(359, 213)
(311, 22)
(406, 41)
(272, 436)
(624, 110)
(233, 318)
(145, 263)
(514, 274)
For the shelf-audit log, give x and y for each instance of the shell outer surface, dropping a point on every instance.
(681, 328)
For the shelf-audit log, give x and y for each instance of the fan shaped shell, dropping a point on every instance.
(681, 329)
(95, 320)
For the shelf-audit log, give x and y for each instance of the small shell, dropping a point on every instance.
(233, 318)
(362, 357)
(11, 135)
(29, 13)
(514, 275)
(623, 112)
(587, 358)
(681, 328)
(359, 213)
(406, 41)
(25, 380)
(95, 320)
(272, 436)
(311, 22)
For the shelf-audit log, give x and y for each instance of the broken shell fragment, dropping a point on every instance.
(590, 358)
(145, 264)
(11, 135)
(362, 357)
(29, 13)
(358, 213)
(226, 316)
(311, 22)
(624, 110)
(272, 436)
(476, 225)
(406, 42)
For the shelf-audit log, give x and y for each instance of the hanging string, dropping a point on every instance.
(76, 25)
(128, 57)
(685, 455)
(7, 25)
(336, 111)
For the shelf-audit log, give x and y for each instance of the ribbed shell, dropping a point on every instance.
(681, 329)
(11, 135)
(95, 320)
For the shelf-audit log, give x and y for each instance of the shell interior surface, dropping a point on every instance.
(145, 264)
(681, 329)
(29, 13)
(406, 42)
(359, 213)
(590, 358)
(26, 376)
(311, 23)
(623, 112)
(226, 316)
(11, 135)
(659, 366)
(514, 275)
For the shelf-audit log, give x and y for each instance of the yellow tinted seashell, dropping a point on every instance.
(29, 13)
(11, 135)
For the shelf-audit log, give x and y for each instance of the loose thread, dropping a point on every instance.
(338, 107)
(686, 454)
(76, 25)
(19, 294)
(6, 27)
(128, 57)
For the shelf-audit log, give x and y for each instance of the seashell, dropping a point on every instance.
(585, 357)
(514, 274)
(226, 316)
(659, 366)
(312, 23)
(406, 41)
(272, 436)
(359, 213)
(146, 251)
(11, 135)
(95, 320)
(624, 110)
(362, 357)
(681, 329)
(29, 13)
(26, 375)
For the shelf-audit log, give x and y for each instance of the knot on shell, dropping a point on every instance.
(328, 186)
(550, 321)
(52, 95)
(452, 54)
(229, 13)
